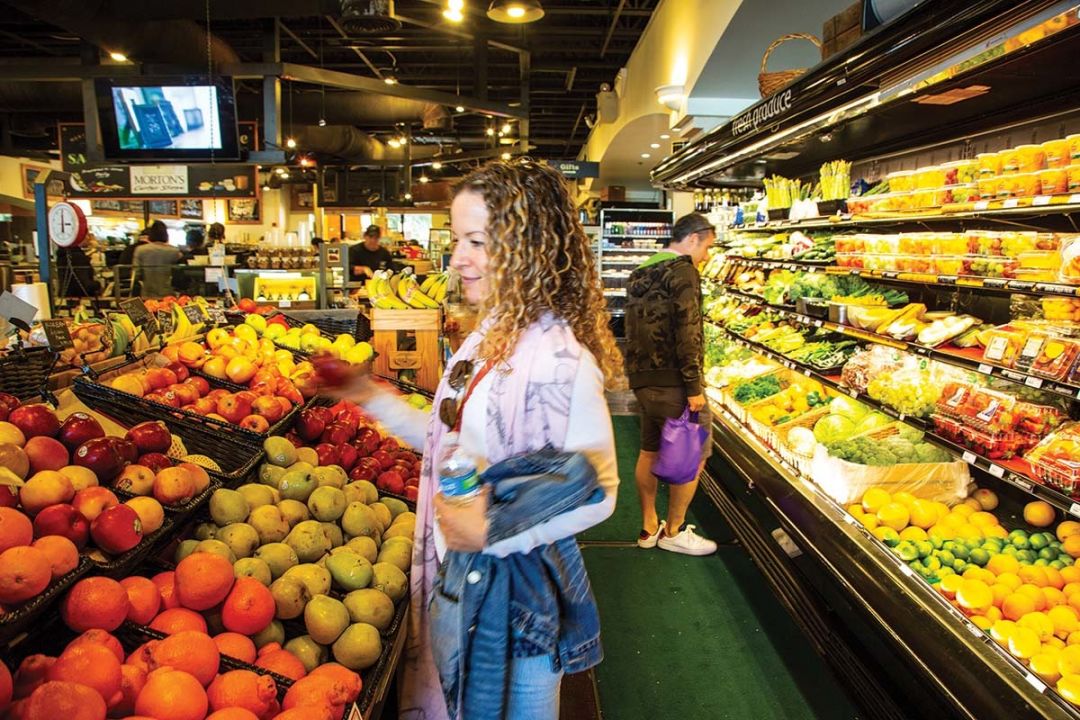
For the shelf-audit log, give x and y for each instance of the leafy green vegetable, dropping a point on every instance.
(832, 428)
(757, 389)
(851, 409)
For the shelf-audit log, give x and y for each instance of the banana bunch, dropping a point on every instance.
(382, 294)
(434, 286)
(183, 327)
(409, 291)
(401, 291)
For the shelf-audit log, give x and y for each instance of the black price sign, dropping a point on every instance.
(57, 335)
(135, 309)
(194, 314)
(165, 323)
(217, 316)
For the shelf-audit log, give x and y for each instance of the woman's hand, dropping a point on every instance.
(464, 525)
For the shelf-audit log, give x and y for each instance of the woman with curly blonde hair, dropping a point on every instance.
(529, 380)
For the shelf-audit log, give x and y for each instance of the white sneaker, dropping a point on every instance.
(649, 541)
(687, 542)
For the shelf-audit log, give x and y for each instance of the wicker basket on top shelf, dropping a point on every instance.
(770, 82)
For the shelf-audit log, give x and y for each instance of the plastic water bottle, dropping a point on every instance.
(459, 481)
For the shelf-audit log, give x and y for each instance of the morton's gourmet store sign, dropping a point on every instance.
(125, 181)
(159, 180)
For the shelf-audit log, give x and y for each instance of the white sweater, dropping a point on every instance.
(589, 432)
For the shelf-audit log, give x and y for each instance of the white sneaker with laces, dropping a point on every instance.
(687, 542)
(649, 541)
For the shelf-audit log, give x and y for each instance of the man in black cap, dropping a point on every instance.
(368, 256)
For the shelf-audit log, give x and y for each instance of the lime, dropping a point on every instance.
(949, 545)
(1027, 556)
(1037, 541)
(933, 578)
(945, 571)
(959, 566)
(1048, 553)
(907, 551)
(924, 547)
(993, 545)
(937, 542)
(945, 557)
(932, 563)
(1009, 550)
(1059, 564)
(1018, 532)
(962, 552)
(1020, 543)
(887, 535)
(979, 556)
(1041, 562)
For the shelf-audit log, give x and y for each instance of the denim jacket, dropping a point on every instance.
(487, 610)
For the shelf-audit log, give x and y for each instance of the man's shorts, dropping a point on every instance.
(657, 404)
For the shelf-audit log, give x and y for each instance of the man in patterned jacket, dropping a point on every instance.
(664, 357)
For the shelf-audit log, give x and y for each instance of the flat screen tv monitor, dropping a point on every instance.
(177, 117)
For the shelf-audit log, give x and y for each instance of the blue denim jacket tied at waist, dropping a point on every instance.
(487, 610)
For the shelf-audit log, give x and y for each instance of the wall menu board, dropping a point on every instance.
(160, 208)
(201, 181)
(243, 210)
(341, 187)
(191, 209)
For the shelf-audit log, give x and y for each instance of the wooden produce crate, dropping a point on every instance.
(391, 331)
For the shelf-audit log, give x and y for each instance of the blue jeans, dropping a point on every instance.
(534, 689)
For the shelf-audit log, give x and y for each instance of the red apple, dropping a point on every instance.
(331, 371)
(306, 384)
(77, 428)
(336, 433)
(138, 479)
(235, 407)
(9, 496)
(64, 520)
(347, 456)
(129, 451)
(289, 393)
(346, 417)
(34, 420)
(179, 370)
(411, 492)
(268, 407)
(295, 439)
(328, 454)
(7, 404)
(391, 481)
(117, 529)
(170, 398)
(215, 394)
(100, 455)
(323, 413)
(155, 461)
(362, 472)
(150, 437)
(310, 424)
(204, 406)
(200, 384)
(94, 500)
(367, 441)
(255, 423)
(390, 445)
(384, 459)
(188, 394)
(45, 453)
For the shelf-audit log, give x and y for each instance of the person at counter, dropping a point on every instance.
(75, 271)
(216, 234)
(154, 262)
(196, 244)
(369, 256)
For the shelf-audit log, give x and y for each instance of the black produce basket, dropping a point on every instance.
(183, 509)
(131, 409)
(21, 619)
(121, 566)
(831, 207)
(331, 322)
(779, 214)
(24, 372)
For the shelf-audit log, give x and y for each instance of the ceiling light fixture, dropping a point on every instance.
(505, 156)
(389, 80)
(654, 146)
(490, 131)
(436, 165)
(646, 155)
(670, 96)
(459, 108)
(290, 143)
(408, 196)
(394, 143)
(506, 128)
(285, 175)
(322, 122)
(424, 179)
(453, 11)
(501, 133)
(515, 11)
(118, 56)
(665, 136)
(280, 171)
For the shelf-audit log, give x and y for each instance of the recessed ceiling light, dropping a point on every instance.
(665, 136)
(491, 131)
(408, 196)
(453, 15)
(394, 143)
(424, 178)
(290, 143)
(654, 146)
(436, 165)
(506, 128)
(459, 108)
(285, 174)
(646, 155)
(322, 122)
(118, 56)
(506, 156)
(390, 80)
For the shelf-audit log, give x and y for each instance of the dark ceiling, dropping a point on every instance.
(577, 46)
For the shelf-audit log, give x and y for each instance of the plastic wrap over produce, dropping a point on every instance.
(845, 482)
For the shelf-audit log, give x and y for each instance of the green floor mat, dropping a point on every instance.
(625, 523)
(702, 638)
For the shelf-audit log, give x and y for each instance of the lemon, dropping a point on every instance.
(1044, 664)
(1040, 623)
(1024, 643)
(894, 515)
(874, 499)
(913, 533)
(887, 535)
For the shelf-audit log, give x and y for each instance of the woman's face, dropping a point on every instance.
(468, 224)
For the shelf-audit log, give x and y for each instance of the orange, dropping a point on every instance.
(1071, 589)
(242, 689)
(191, 651)
(894, 515)
(982, 622)
(1054, 578)
(6, 687)
(15, 529)
(233, 714)
(62, 554)
(1070, 573)
(144, 601)
(166, 585)
(1067, 528)
(1045, 665)
(1024, 643)
(343, 675)
(996, 531)
(236, 646)
(1055, 643)
(1054, 597)
(978, 573)
(1069, 688)
(1009, 580)
(1003, 564)
(1033, 574)
(134, 678)
(102, 638)
(307, 712)
(67, 700)
(993, 614)
(203, 580)
(281, 661)
(95, 602)
(176, 620)
(1039, 513)
(1066, 620)
(89, 664)
(1002, 630)
(25, 572)
(1000, 592)
(172, 695)
(316, 690)
(249, 608)
(974, 596)
(1016, 605)
(1073, 638)
(1035, 593)
(1040, 623)
(1071, 545)
(31, 673)
(949, 585)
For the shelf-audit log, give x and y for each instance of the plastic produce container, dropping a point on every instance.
(989, 164)
(1031, 158)
(1057, 153)
(1054, 181)
(901, 181)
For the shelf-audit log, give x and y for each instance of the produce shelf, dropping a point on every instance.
(946, 282)
(953, 656)
(966, 358)
(1013, 472)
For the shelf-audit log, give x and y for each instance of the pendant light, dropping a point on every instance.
(515, 11)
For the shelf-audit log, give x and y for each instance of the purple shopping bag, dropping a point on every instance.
(681, 443)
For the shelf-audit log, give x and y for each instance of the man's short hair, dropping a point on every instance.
(688, 225)
(372, 231)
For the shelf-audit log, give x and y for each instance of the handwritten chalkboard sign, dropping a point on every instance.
(191, 209)
(57, 335)
(193, 313)
(167, 208)
(217, 316)
(135, 309)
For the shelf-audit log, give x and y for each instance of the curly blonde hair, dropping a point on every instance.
(540, 260)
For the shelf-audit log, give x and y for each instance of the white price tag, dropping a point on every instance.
(975, 630)
(1074, 199)
(850, 520)
(1041, 200)
(811, 269)
(968, 457)
(285, 303)
(986, 369)
(853, 392)
(1033, 382)
(1074, 509)
(982, 205)
(1023, 484)
(1035, 682)
(906, 569)
(1011, 203)
(817, 323)
(996, 470)
(807, 373)
(901, 417)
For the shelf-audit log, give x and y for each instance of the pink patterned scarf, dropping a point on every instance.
(528, 409)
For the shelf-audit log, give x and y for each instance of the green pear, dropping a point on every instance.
(290, 597)
(272, 633)
(309, 540)
(325, 619)
(390, 579)
(253, 567)
(294, 512)
(278, 556)
(358, 519)
(303, 467)
(396, 506)
(397, 554)
(307, 455)
(228, 506)
(270, 474)
(205, 531)
(349, 570)
(216, 547)
(185, 548)
(296, 486)
(359, 647)
(279, 451)
(269, 524)
(371, 493)
(383, 514)
(256, 495)
(365, 547)
(316, 579)
(330, 475)
(333, 534)
(241, 538)
(370, 606)
(309, 652)
(326, 503)
(399, 529)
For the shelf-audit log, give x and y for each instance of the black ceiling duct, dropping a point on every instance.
(368, 17)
